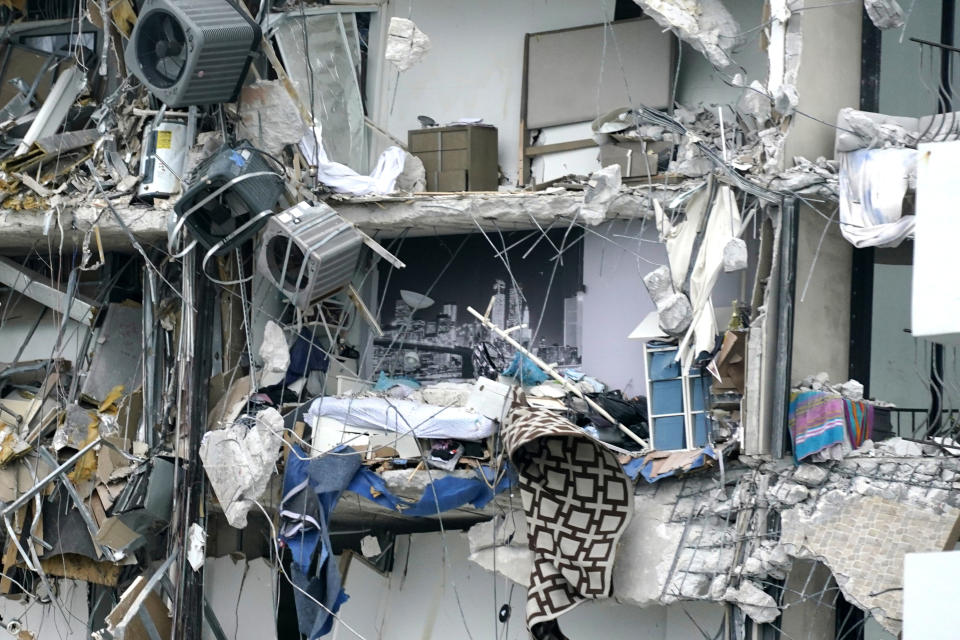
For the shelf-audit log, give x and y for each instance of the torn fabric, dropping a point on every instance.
(873, 183)
(443, 494)
(311, 490)
(343, 179)
(578, 503)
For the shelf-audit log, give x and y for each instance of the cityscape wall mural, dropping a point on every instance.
(430, 336)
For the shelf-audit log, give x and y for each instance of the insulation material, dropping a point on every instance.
(406, 43)
(269, 117)
(275, 355)
(873, 183)
(239, 461)
(705, 24)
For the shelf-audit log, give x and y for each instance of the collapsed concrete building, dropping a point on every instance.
(451, 320)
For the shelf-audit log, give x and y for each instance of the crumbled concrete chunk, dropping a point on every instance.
(406, 43)
(885, 14)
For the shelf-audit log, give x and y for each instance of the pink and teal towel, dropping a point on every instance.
(859, 417)
(817, 421)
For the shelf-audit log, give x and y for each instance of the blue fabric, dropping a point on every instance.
(305, 356)
(523, 369)
(636, 467)
(443, 494)
(326, 476)
(385, 382)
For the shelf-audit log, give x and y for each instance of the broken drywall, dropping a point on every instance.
(705, 24)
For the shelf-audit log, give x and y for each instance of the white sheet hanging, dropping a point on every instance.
(872, 185)
(343, 179)
(402, 416)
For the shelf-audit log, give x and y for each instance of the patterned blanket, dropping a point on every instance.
(817, 421)
(577, 501)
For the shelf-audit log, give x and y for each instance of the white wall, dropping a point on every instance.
(616, 299)
(475, 64)
(700, 83)
(48, 621)
(419, 599)
(242, 595)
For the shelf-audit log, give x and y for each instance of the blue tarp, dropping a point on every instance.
(443, 494)
(636, 467)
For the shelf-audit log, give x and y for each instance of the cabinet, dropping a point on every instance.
(676, 400)
(457, 158)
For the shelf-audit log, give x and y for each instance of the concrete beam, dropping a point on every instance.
(69, 223)
(424, 214)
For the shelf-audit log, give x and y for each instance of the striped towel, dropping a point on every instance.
(859, 417)
(817, 421)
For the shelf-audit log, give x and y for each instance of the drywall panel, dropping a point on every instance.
(242, 595)
(821, 318)
(48, 621)
(435, 593)
(474, 66)
(637, 56)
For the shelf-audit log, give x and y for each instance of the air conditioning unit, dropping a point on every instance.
(192, 52)
(228, 196)
(309, 252)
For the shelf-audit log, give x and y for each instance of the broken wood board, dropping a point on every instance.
(77, 567)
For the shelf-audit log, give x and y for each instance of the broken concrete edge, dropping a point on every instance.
(680, 548)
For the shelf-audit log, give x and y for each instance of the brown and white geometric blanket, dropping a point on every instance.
(577, 501)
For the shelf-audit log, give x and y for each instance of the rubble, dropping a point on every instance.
(203, 230)
(706, 25)
(406, 43)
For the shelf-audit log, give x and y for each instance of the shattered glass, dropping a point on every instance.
(328, 74)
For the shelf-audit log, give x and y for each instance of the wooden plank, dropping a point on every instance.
(571, 145)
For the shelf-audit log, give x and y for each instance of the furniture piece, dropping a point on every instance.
(458, 157)
(676, 400)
